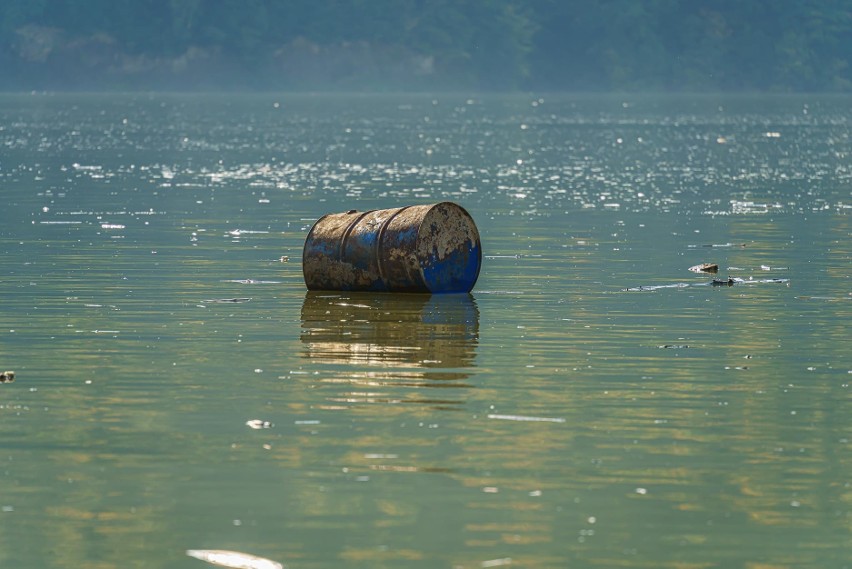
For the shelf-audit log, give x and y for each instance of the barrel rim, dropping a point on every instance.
(478, 243)
(467, 214)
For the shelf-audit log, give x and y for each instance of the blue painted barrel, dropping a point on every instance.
(423, 248)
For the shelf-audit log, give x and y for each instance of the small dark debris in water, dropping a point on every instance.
(705, 268)
(7, 377)
(674, 346)
(223, 300)
(738, 368)
(723, 282)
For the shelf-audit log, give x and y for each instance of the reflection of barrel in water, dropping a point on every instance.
(411, 330)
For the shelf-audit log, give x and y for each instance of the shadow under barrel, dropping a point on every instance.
(411, 330)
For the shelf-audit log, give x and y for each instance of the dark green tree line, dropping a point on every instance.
(428, 44)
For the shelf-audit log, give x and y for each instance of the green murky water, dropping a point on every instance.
(559, 416)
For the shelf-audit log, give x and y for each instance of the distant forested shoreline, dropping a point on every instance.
(427, 45)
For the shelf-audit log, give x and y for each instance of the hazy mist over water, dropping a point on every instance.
(431, 45)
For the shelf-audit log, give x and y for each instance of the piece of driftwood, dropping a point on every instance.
(705, 268)
(234, 559)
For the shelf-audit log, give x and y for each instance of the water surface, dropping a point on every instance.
(558, 416)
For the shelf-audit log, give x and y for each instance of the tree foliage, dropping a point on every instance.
(428, 44)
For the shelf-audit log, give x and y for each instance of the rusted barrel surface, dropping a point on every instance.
(423, 248)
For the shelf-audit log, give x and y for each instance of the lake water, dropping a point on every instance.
(592, 402)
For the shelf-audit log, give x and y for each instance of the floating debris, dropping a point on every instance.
(224, 300)
(719, 245)
(705, 268)
(233, 559)
(642, 288)
(730, 281)
(527, 418)
(422, 248)
(497, 562)
(249, 281)
(673, 346)
(259, 424)
(238, 232)
(7, 377)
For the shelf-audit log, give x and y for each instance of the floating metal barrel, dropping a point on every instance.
(423, 248)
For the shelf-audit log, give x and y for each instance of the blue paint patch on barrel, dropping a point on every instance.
(428, 248)
(456, 273)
